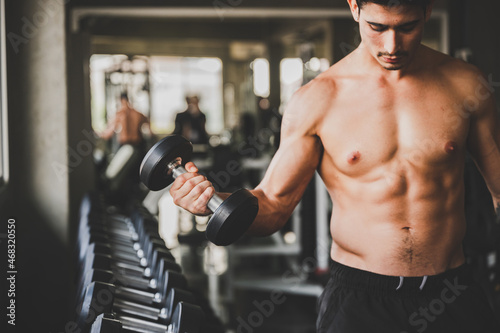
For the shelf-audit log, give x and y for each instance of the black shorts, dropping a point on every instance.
(357, 301)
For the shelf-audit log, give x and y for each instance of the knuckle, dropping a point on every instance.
(193, 182)
(180, 179)
(197, 190)
(201, 206)
(206, 194)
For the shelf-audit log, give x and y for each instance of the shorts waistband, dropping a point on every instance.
(351, 277)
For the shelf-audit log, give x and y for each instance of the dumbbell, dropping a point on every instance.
(105, 262)
(138, 249)
(138, 303)
(139, 258)
(232, 217)
(91, 203)
(142, 260)
(119, 252)
(155, 298)
(128, 246)
(106, 323)
(100, 298)
(122, 262)
(123, 235)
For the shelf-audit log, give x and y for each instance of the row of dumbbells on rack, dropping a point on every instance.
(127, 280)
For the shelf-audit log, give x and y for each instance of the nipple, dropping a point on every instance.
(450, 147)
(354, 157)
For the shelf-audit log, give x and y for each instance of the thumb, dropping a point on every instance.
(190, 167)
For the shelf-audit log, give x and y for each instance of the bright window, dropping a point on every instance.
(261, 83)
(157, 87)
(291, 77)
(174, 78)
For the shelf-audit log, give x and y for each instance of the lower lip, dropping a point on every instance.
(392, 60)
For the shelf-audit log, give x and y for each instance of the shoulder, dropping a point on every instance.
(309, 104)
(140, 115)
(120, 114)
(314, 96)
(180, 115)
(463, 77)
(469, 85)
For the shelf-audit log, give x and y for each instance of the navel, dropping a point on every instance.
(353, 157)
(451, 147)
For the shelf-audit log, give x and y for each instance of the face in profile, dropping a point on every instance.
(392, 35)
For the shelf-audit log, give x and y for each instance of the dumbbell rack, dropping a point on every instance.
(127, 280)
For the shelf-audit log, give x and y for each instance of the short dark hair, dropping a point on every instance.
(391, 3)
(124, 96)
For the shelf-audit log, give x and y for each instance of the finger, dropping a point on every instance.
(198, 190)
(187, 187)
(200, 204)
(190, 167)
(194, 201)
(179, 181)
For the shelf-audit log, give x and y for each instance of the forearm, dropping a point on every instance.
(272, 215)
(107, 134)
(109, 131)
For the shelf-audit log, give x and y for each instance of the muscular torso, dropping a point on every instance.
(393, 163)
(129, 123)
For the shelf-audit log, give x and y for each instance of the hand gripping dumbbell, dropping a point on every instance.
(232, 217)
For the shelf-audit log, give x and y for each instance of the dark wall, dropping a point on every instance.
(37, 193)
(474, 25)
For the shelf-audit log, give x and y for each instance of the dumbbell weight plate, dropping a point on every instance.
(106, 323)
(99, 298)
(174, 297)
(187, 318)
(232, 218)
(154, 168)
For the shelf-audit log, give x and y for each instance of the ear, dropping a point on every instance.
(354, 9)
(428, 10)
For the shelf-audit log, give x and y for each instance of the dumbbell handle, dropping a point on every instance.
(140, 325)
(177, 170)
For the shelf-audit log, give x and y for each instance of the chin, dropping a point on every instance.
(393, 68)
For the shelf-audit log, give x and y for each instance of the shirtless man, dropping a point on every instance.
(132, 129)
(387, 128)
(129, 123)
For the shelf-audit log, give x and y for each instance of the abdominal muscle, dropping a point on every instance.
(415, 228)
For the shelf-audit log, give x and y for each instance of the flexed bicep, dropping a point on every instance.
(291, 168)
